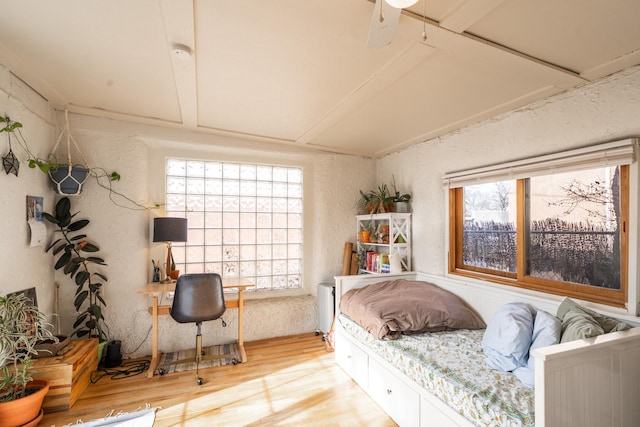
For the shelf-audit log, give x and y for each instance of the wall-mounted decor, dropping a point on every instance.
(37, 229)
(9, 161)
(34, 208)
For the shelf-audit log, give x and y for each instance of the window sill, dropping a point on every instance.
(517, 293)
(611, 300)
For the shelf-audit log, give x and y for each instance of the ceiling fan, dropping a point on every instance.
(384, 21)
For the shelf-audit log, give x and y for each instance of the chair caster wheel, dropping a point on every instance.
(200, 381)
(234, 361)
(161, 371)
(317, 333)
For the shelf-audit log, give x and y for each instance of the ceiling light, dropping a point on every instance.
(181, 51)
(401, 4)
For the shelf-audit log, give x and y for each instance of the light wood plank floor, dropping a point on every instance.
(289, 381)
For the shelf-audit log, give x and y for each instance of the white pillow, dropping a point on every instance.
(507, 338)
(547, 329)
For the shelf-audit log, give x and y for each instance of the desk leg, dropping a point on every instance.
(243, 353)
(154, 337)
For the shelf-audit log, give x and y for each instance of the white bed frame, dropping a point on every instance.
(593, 382)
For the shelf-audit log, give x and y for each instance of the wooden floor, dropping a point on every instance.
(290, 381)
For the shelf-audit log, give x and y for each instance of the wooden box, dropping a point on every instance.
(68, 375)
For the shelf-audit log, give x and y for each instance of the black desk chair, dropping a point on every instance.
(198, 298)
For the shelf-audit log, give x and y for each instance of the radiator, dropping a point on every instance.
(326, 306)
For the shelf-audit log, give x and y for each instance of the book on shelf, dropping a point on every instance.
(377, 262)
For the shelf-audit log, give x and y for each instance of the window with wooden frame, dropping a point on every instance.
(557, 223)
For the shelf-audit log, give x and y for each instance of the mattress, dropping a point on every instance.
(450, 365)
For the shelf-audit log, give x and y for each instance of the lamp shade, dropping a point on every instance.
(401, 4)
(168, 229)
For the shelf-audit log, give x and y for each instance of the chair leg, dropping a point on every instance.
(199, 380)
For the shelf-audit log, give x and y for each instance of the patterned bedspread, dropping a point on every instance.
(450, 365)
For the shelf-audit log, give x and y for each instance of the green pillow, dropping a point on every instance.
(577, 325)
(579, 322)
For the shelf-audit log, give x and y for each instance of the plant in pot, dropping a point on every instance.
(375, 201)
(75, 258)
(22, 326)
(68, 178)
(401, 200)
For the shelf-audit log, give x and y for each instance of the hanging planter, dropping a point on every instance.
(68, 179)
(10, 161)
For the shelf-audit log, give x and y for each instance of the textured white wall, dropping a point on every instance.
(24, 267)
(138, 154)
(603, 111)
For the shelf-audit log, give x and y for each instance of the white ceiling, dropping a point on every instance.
(298, 72)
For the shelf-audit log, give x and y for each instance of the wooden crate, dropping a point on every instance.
(68, 375)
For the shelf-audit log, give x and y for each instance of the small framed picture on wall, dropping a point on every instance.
(34, 208)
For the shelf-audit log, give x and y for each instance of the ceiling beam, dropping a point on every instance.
(468, 13)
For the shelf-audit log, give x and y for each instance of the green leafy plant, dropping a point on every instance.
(22, 326)
(375, 201)
(102, 177)
(397, 197)
(45, 165)
(73, 250)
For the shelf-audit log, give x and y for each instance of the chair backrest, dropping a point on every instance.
(198, 297)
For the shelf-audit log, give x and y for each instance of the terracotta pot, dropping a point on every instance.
(23, 411)
(365, 236)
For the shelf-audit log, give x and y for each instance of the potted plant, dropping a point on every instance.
(375, 201)
(22, 326)
(401, 200)
(74, 258)
(67, 178)
(364, 201)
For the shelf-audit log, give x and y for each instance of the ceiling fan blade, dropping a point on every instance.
(383, 25)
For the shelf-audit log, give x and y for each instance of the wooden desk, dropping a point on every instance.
(156, 289)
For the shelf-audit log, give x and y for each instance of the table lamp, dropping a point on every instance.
(168, 230)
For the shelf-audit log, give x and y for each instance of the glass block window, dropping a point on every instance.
(245, 220)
